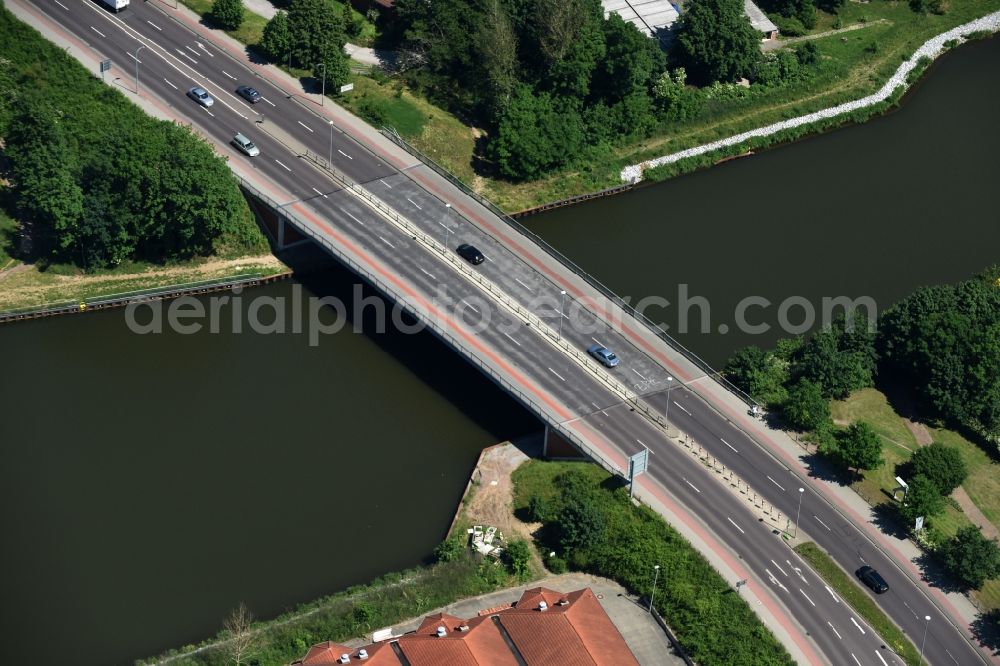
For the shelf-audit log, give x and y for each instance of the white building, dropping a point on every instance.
(654, 17)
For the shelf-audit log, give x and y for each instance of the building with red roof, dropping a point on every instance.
(543, 627)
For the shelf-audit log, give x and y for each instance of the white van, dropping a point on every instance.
(116, 5)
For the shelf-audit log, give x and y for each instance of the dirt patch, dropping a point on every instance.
(973, 513)
(920, 433)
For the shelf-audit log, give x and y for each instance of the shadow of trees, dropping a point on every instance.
(986, 629)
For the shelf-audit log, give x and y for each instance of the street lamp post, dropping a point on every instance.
(927, 623)
(798, 514)
(322, 96)
(136, 56)
(666, 414)
(447, 229)
(330, 159)
(562, 313)
(656, 574)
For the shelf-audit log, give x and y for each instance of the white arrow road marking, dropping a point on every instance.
(154, 25)
(170, 84)
(555, 373)
(857, 625)
(798, 570)
(691, 484)
(387, 242)
(774, 580)
(98, 32)
(806, 596)
(776, 483)
(202, 47)
(729, 445)
(779, 567)
(304, 125)
(835, 599)
(838, 633)
(823, 524)
(279, 162)
(880, 658)
(735, 525)
(681, 407)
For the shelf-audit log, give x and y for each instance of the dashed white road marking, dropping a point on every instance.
(229, 75)
(512, 339)
(807, 597)
(268, 101)
(729, 445)
(344, 154)
(681, 407)
(835, 598)
(202, 47)
(387, 242)
(414, 203)
(191, 50)
(470, 305)
(382, 180)
(320, 193)
(170, 84)
(882, 659)
(187, 56)
(735, 525)
(596, 406)
(555, 373)
(213, 115)
(348, 214)
(133, 57)
(776, 483)
(779, 567)
(522, 284)
(637, 372)
(949, 654)
(62, 5)
(431, 276)
(837, 632)
(856, 659)
(597, 341)
(98, 32)
(692, 485)
(822, 523)
(443, 224)
(279, 162)
(304, 125)
(860, 628)
(154, 25)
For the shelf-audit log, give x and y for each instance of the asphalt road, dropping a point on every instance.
(175, 60)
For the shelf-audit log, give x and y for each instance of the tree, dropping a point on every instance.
(498, 51)
(316, 31)
(352, 26)
(581, 523)
(239, 635)
(859, 447)
(535, 135)
(922, 499)
(673, 98)
(228, 13)
(714, 41)
(761, 374)
(941, 464)
(276, 40)
(632, 60)
(570, 43)
(840, 358)
(517, 556)
(971, 557)
(806, 408)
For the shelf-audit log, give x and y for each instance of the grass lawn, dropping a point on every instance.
(859, 601)
(982, 485)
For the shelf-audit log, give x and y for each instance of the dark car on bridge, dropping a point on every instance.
(249, 94)
(872, 579)
(470, 253)
(603, 354)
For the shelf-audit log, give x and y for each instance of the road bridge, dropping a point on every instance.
(524, 317)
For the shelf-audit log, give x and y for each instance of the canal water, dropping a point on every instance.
(151, 483)
(873, 210)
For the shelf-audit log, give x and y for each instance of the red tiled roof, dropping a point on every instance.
(325, 654)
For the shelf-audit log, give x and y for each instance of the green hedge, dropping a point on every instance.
(621, 541)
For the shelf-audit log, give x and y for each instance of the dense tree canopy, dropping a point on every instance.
(971, 557)
(714, 41)
(228, 13)
(99, 193)
(941, 464)
(922, 499)
(761, 374)
(316, 32)
(277, 40)
(806, 408)
(859, 447)
(944, 342)
(841, 358)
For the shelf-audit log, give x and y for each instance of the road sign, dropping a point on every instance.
(637, 464)
(105, 66)
(920, 523)
(347, 87)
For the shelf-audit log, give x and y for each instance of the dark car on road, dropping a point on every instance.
(470, 253)
(603, 354)
(872, 579)
(249, 94)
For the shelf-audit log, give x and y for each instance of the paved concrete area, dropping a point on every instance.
(643, 635)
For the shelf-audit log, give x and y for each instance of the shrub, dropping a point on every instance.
(452, 548)
(517, 557)
(228, 13)
(789, 26)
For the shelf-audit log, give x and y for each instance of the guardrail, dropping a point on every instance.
(605, 291)
(123, 298)
(480, 363)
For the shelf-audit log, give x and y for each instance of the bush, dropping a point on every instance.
(539, 510)
(517, 557)
(943, 465)
(228, 13)
(971, 557)
(372, 110)
(453, 548)
(789, 26)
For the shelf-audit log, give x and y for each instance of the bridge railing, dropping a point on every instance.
(605, 291)
(563, 427)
